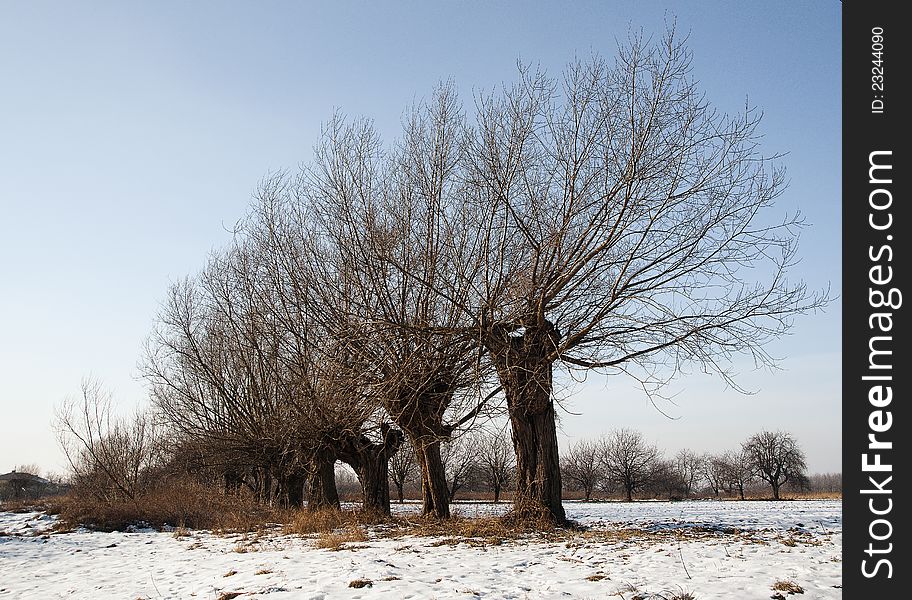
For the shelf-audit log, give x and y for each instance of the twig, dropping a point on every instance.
(681, 554)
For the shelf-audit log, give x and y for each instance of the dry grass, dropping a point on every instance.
(788, 586)
(337, 540)
(360, 583)
(185, 504)
(306, 522)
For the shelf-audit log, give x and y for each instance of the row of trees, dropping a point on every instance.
(609, 219)
(625, 461)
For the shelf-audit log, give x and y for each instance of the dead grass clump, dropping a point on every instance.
(788, 586)
(360, 583)
(229, 595)
(474, 530)
(597, 577)
(336, 540)
(177, 502)
(307, 522)
(263, 572)
(181, 532)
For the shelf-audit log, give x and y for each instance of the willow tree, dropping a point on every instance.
(623, 226)
(232, 368)
(371, 231)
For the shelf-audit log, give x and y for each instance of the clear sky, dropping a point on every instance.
(133, 133)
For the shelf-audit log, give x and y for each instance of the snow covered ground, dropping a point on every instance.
(712, 550)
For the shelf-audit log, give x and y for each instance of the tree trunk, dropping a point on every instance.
(264, 486)
(496, 494)
(233, 480)
(399, 491)
(371, 462)
(293, 489)
(525, 372)
(321, 484)
(775, 486)
(629, 493)
(435, 493)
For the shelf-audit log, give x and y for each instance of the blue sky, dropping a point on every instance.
(132, 135)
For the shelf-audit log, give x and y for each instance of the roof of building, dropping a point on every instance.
(22, 476)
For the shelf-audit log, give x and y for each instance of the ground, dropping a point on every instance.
(643, 550)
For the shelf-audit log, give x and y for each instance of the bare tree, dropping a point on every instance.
(628, 460)
(775, 458)
(826, 482)
(581, 465)
(236, 363)
(665, 480)
(403, 469)
(717, 470)
(494, 452)
(369, 229)
(459, 460)
(618, 223)
(690, 469)
(111, 457)
(739, 470)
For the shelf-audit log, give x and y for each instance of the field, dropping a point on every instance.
(634, 551)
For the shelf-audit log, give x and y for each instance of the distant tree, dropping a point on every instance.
(690, 467)
(665, 480)
(582, 467)
(739, 470)
(403, 468)
(716, 471)
(459, 460)
(776, 459)
(496, 459)
(628, 460)
(826, 482)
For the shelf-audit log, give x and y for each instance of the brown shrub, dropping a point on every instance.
(179, 503)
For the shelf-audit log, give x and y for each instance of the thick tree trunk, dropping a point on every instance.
(775, 485)
(293, 489)
(435, 493)
(321, 484)
(525, 371)
(374, 476)
(400, 491)
(371, 463)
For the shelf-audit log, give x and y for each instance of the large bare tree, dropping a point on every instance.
(622, 225)
(775, 458)
(372, 229)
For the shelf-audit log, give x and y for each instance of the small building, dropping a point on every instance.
(17, 485)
